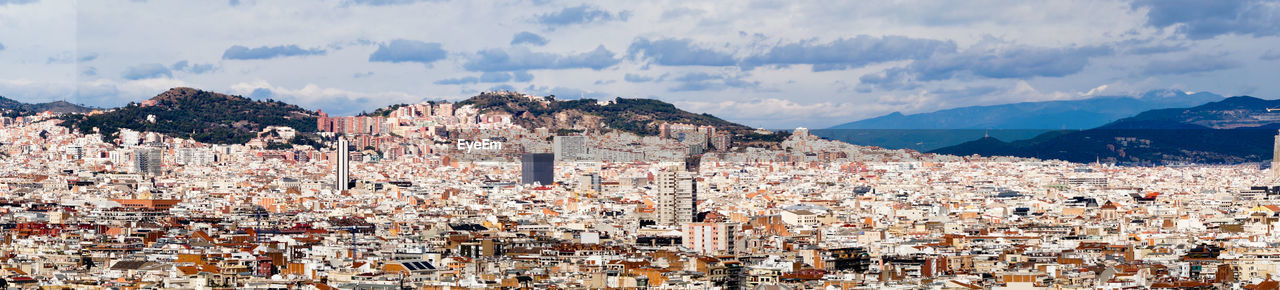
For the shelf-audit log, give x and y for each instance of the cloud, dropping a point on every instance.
(563, 93)
(16, 2)
(404, 50)
(240, 52)
(528, 37)
(488, 77)
(580, 14)
(499, 88)
(989, 59)
(1016, 61)
(1190, 64)
(700, 81)
(774, 111)
(635, 78)
(847, 53)
(681, 12)
(1207, 19)
(522, 59)
(678, 52)
(185, 66)
(1156, 49)
(87, 57)
(495, 77)
(147, 71)
(522, 76)
(891, 79)
(260, 94)
(361, 75)
(331, 100)
(843, 53)
(387, 2)
(458, 81)
(1271, 54)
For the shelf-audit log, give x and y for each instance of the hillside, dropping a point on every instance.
(1233, 130)
(200, 115)
(1051, 115)
(15, 107)
(639, 116)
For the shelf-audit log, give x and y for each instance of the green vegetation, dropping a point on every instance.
(199, 115)
(639, 116)
(384, 111)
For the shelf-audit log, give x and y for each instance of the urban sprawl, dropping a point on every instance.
(433, 196)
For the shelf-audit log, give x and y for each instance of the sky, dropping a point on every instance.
(772, 64)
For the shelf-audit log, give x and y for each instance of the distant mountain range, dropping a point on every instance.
(20, 108)
(1233, 130)
(199, 115)
(1052, 115)
(1017, 121)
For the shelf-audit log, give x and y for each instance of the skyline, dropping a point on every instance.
(777, 65)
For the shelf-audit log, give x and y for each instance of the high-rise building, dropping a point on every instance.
(147, 161)
(343, 165)
(1275, 160)
(537, 168)
(677, 196)
(571, 148)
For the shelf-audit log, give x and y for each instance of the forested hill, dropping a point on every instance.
(203, 116)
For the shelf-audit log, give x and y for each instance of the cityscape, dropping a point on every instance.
(673, 152)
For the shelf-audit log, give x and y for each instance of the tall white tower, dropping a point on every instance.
(1275, 160)
(343, 167)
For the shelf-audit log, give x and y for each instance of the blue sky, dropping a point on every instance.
(776, 64)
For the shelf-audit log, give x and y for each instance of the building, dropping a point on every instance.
(1275, 162)
(343, 165)
(677, 196)
(571, 148)
(148, 204)
(148, 161)
(537, 168)
(194, 156)
(711, 238)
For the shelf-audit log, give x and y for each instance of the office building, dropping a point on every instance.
(147, 161)
(343, 165)
(571, 148)
(677, 196)
(537, 168)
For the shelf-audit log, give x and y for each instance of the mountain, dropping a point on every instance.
(1075, 114)
(200, 115)
(1233, 130)
(21, 108)
(639, 116)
